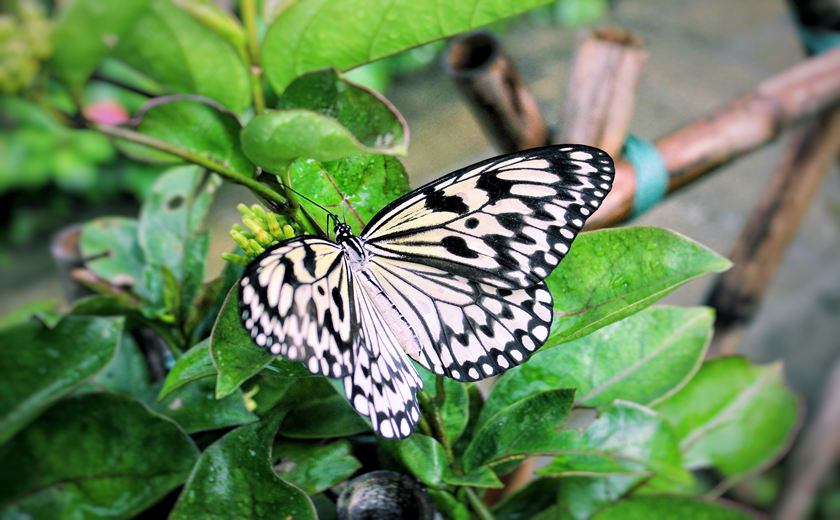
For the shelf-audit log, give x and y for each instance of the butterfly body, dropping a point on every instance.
(451, 275)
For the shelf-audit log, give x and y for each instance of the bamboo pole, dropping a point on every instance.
(601, 90)
(505, 108)
(794, 95)
(771, 227)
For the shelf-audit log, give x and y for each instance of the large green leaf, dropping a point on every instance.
(193, 365)
(612, 273)
(356, 187)
(649, 508)
(195, 408)
(320, 410)
(344, 34)
(192, 124)
(277, 137)
(93, 456)
(368, 116)
(234, 479)
(311, 466)
(624, 446)
(168, 234)
(423, 456)
(641, 358)
(626, 439)
(734, 416)
(526, 426)
(41, 365)
(169, 46)
(86, 31)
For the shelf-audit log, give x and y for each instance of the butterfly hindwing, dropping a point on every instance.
(295, 301)
(466, 330)
(384, 384)
(506, 221)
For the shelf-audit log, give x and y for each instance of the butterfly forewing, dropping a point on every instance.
(506, 221)
(295, 301)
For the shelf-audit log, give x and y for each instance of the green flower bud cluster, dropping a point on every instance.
(24, 45)
(262, 230)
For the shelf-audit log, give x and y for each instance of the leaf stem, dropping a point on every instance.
(477, 504)
(224, 171)
(249, 19)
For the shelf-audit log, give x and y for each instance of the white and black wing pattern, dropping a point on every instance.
(295, 300)
(463, 259)
(450, 274)
(506, 221)
(384, 384)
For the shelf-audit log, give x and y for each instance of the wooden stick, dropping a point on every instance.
(771, 227)
(501, 102)
(798, 93)
(601, 90)
(813, 456)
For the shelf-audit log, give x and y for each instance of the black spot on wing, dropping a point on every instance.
(438, 201)
(458, 246)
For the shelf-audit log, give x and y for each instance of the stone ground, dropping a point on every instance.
(702, 54)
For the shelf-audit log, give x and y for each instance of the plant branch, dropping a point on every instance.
(478, 506)
(249, 19)
(224, 171)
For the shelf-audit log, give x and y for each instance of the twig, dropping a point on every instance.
(794, 95)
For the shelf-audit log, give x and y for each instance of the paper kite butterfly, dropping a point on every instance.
(450, 274)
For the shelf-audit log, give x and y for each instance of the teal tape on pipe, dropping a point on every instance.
(818, 39)
(651, 174)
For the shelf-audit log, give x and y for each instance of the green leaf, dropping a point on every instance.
(234, 354)
(345, 34)
(423, 456)
(277, 137)
(314, 467)
(367, 115)
(527, 501)
(127, 373)
(195, 364)
(734, 416)
(624, 446)
(320, 412)
(86, 31)
(592, 288)
(195, 124)
(96, 456)
(169, 46)
(626, 439)
(42, 310)
(110, 244)
(195, 408)
(648, 508)
(41, 365)
(234, 479)
(529, 425)
(357, 186)
(642, 358)
(172, 214)
(481, 476)
(449, 506)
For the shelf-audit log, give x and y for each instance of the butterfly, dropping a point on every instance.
(450, 275)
